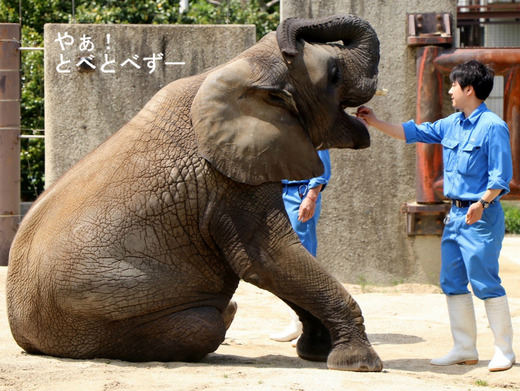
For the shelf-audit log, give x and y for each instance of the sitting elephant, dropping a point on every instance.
(135, 253)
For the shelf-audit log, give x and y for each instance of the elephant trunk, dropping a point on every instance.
(360, 59)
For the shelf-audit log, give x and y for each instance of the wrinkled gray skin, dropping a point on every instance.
(135, 253)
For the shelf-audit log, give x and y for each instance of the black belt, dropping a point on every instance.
(462, 204)
(296, 183)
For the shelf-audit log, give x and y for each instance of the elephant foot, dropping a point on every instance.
(314, 348)
(229, 313)
(356, 357)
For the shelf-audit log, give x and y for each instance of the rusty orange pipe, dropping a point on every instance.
(429, 109)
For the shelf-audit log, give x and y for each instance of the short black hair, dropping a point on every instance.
(474, 73)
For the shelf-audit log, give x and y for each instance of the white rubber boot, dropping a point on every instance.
(497, 310)
(292, 331)
(464, 331)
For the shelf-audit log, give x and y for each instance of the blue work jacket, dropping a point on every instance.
(476, 152)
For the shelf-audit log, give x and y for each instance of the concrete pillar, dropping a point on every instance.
(97, 77)
(9, 136)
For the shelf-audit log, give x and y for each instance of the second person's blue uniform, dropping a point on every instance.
(293, 194)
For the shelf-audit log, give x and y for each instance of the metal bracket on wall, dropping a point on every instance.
(425, 219)
(429, 29)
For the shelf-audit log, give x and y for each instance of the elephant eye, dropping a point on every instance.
(334, 75)
(276, 99)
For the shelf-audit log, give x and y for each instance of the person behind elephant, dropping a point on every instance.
(302, 200)
(477, 171)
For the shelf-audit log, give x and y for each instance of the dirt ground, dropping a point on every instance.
(407, 325)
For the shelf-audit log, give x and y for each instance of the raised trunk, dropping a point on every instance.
(360, 44)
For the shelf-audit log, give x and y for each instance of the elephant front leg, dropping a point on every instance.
(351, 354)
(352, 351)
(333, 328)
(357, 357)
(262, 248)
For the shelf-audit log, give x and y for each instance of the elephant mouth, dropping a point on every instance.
(346, 132)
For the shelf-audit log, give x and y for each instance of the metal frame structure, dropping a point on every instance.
(487, 12)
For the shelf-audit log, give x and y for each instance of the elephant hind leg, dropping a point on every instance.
(187, 335)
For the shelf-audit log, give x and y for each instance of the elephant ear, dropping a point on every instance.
(251, 131)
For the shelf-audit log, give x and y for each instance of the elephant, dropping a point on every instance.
(135, 253)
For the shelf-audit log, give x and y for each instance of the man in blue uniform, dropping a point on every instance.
(477, 171)
(302, 201)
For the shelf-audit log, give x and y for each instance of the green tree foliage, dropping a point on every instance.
(512, 216)
(35, 13)
(32, 120)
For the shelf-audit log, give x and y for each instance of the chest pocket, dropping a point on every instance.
(472, 160)
(449, 150)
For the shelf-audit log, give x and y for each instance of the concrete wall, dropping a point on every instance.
(84, 107)
(362, 233)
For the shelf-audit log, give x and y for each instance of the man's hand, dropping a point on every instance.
(308, 205)
(366, 115)
(306, 211)
(474, 213)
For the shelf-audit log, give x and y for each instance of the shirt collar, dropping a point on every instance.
(475, 115)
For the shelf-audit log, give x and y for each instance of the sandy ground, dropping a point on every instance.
(407, 325)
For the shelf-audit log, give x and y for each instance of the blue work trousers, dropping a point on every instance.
(470, 253)
(306, 231)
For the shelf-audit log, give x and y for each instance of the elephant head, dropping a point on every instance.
(262, 116)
